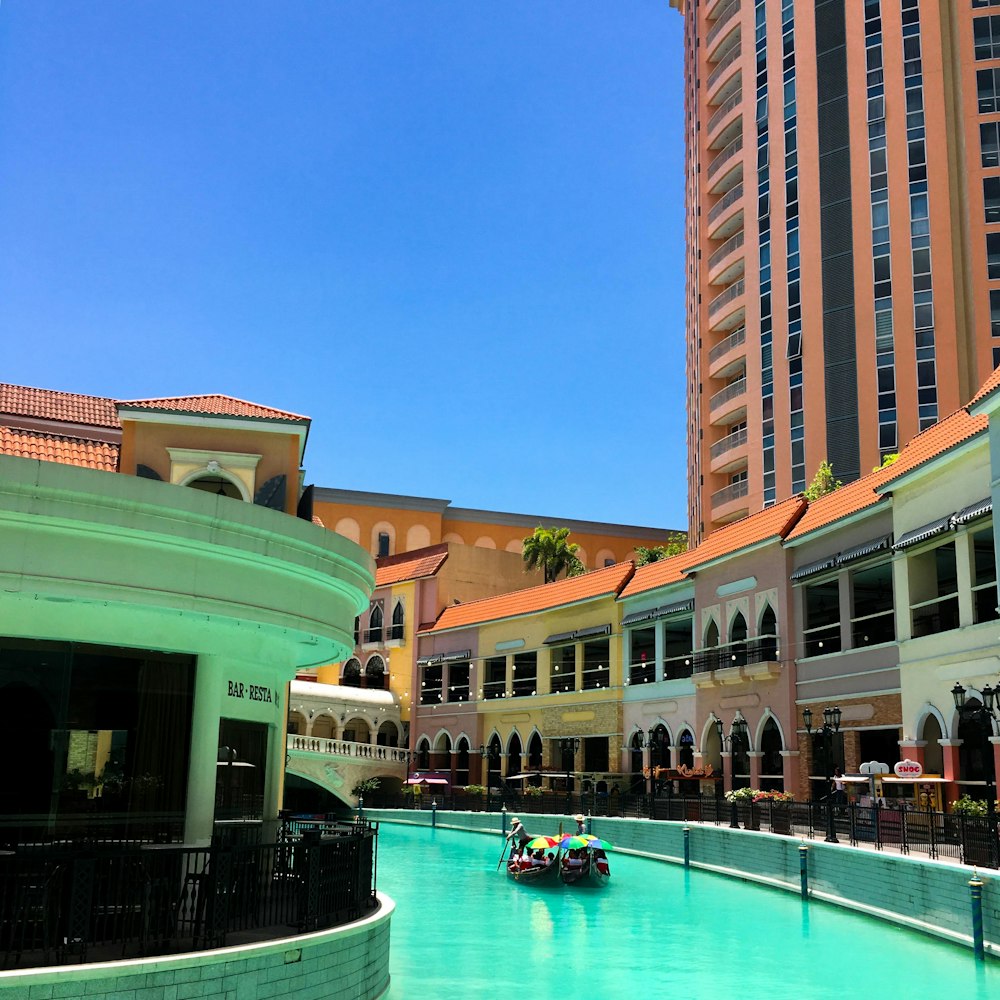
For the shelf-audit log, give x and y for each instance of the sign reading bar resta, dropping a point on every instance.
(252, 692)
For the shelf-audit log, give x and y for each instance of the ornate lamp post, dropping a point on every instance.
(568, 745)
(831, 726)
(978, 712)
(737, 734)
(488, 753)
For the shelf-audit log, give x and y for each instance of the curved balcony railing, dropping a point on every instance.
(722, 23)
(728, 394)
(345, 748)
(728, 443)
(733, 243)
(728, 493)
(724, 347)
(725, 202)
(720, 71)
(725, 110)
(725, 155)
(732, 292)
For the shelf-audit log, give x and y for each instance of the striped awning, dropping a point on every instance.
(864, 549)
(587, 633)
(550, 640)
(429, 661)
(672, 609)
(459, 654)
(921, 534)
(974, 510)
(640, 616)
(811, 569)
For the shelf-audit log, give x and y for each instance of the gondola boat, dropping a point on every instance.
(593, 872)
(534, 874)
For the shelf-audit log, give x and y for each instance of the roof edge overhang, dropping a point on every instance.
(942, 457)
(880, 506)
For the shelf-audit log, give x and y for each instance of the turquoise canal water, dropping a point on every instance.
(461, 931)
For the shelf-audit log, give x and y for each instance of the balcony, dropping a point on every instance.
(725, 25)
(728, 403)
(727, 310)
(726, 349)
(726, 170)
(727, 263)
(726, 215)
(730, 452)
(727, 70)
(729, 113)
(729, 503)
(736, 661)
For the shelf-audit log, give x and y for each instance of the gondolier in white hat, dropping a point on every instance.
(518, 836)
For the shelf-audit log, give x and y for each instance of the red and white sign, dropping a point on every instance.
(908, 769)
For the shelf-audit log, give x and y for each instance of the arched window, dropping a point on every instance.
(635, 754)
(374, 631)
(768, 635)
(396, 629)
(462, 762)
(686, 753)
(976, 752)
(375, 673)
(712, 635)
(422, 757)
(514, 755)
(771, 769)
(535, 757)
(738, 641)
(351, 674)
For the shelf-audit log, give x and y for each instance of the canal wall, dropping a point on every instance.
(928, 896)
(345, 963)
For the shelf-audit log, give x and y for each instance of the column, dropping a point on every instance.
(727, 771)
(755, 756)
(964, 575)
(658, 645)
(200, 812)
(951, 765)
(789, 770)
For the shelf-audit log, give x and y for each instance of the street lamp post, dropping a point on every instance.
(569, 744)
(737, 733)
(831, 726)
(488, 753)
(976, 712)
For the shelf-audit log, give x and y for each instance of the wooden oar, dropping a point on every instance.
(503, 851)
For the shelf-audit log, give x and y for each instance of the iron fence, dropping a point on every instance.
(970, 840)
(99, 902)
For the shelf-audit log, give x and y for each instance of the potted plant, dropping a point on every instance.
(777, 803)
(968, 806)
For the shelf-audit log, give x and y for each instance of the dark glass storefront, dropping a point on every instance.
(91, 730)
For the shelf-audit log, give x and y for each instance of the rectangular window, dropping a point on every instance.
(677, 647)
(642, 656)
(383, 543)
(993, 255)
(986, 36)
(933, 590)
(873, 618)
(989, 144)
(562, 669)
(991, 199)
(525, 674)
(458, 681)
(984, 589)
(822, 618)
(430, 685)
(596, 664)
(494, 677)
(988, 88)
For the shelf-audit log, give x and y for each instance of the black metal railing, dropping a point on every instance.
(970, 840)
(63, 902)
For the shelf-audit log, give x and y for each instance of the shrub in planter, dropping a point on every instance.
(968, 806)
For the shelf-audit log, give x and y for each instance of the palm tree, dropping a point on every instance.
(549, 549)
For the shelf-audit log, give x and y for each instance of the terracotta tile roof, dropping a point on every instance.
(62, 448)
(989, 386)
(211, 405)
(597, 583)
(865, 492)
(657, 574)
(771, 522)
(48, 404)
(412, 565)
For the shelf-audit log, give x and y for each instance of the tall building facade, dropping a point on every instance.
(843, 234)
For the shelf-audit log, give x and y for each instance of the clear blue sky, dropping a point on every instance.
(449, 231)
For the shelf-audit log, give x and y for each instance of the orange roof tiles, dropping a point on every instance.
(62, 448)
(657, 574)
(769, 523)
(597, 583)
(48, 404)
(212, 405)
(410, 565)
(989, 386)
(867, 491)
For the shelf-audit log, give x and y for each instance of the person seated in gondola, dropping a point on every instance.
(601, 862)
(538, 859)
(574, 858)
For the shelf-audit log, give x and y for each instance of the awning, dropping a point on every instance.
(558, 637)
(864, 549)
(460, 654)
(672, 609)
(974, 510)
(639, 616)
(811, 569)
(429, 661)
(586, 633)
(427, 781)
(920, 534)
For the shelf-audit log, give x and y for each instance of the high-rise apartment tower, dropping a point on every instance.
(843, 227)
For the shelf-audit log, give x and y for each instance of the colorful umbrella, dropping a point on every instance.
(573, 843)
(596, 842)
(542, 843)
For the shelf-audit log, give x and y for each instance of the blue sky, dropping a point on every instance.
(449, 231)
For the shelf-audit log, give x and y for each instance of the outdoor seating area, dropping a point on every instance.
(90, 900)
